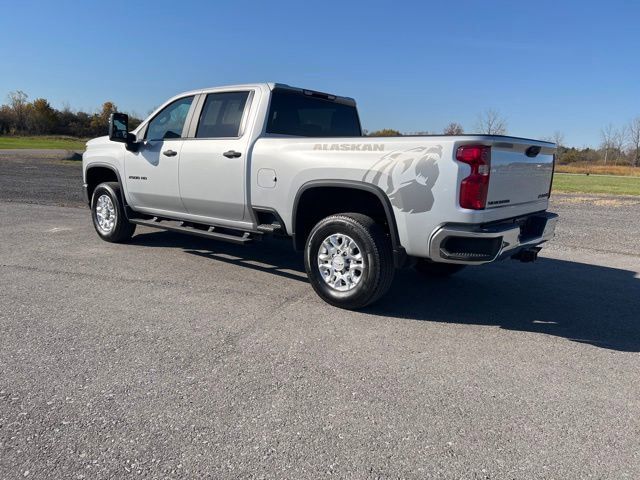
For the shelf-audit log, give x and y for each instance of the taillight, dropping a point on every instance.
(474, 188)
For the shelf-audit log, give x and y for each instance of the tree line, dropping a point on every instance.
(618, 145)
(489, 122)
(19, 116)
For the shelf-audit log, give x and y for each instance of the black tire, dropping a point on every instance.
(122, 230)
(435, 269)
(375, 246)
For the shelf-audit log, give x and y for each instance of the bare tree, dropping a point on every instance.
(614, 141)
(619, 142)
(634, 140)
(607, 134)
(490, 122)
(19, 106)
(558, 139)
(453, 128)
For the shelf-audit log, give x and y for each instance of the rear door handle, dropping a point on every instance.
(232, 154)
(170, 153)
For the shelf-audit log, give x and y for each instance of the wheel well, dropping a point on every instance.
(316, 203)
(98, 175)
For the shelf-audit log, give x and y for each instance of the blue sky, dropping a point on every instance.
(546, 66)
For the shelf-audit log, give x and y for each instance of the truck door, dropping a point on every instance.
(212, 163)
(152, 172)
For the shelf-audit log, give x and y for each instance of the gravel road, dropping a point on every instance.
(178, 357)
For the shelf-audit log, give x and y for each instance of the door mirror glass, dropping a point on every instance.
(119, 127)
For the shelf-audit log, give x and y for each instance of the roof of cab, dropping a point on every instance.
(271, 86)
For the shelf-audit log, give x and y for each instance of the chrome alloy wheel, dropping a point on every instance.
(340, 262)
(105, 214)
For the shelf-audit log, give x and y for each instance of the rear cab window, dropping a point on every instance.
(309, 114)
(221, 115)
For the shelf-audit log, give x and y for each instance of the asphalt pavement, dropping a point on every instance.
(180, 357)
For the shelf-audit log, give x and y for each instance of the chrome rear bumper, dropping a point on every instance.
(478, 244)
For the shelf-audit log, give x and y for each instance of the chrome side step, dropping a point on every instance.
(183, 227)
(269, 227)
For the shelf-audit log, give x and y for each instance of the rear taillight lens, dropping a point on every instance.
(474, 188)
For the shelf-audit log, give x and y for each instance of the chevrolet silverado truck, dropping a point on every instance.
(240, 162)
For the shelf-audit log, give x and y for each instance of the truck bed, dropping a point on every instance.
(419, 174)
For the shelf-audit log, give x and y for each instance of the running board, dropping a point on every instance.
(269, 227)
(210, 233)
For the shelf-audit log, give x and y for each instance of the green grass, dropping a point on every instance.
(596, 184)
(61, 143)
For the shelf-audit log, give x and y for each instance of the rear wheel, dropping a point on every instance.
(349, 260)
(108, 215)
(435, 269)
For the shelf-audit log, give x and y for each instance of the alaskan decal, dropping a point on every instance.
(408, 177)
(350, 147)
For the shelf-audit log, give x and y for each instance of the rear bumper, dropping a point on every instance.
(478, 244)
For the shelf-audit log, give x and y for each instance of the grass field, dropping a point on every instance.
(599, 169)
(596, 184)
(54, 143)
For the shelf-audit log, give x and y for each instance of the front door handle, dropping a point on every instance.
(170, 153)
(232, 154)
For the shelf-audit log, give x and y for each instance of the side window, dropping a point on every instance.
(221, 115)
(170, 121)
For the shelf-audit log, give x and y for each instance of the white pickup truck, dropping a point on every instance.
(239, 162)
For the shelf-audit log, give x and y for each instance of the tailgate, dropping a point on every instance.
(521, 172)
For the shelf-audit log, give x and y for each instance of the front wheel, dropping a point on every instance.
(108, 215)
(349, 260)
